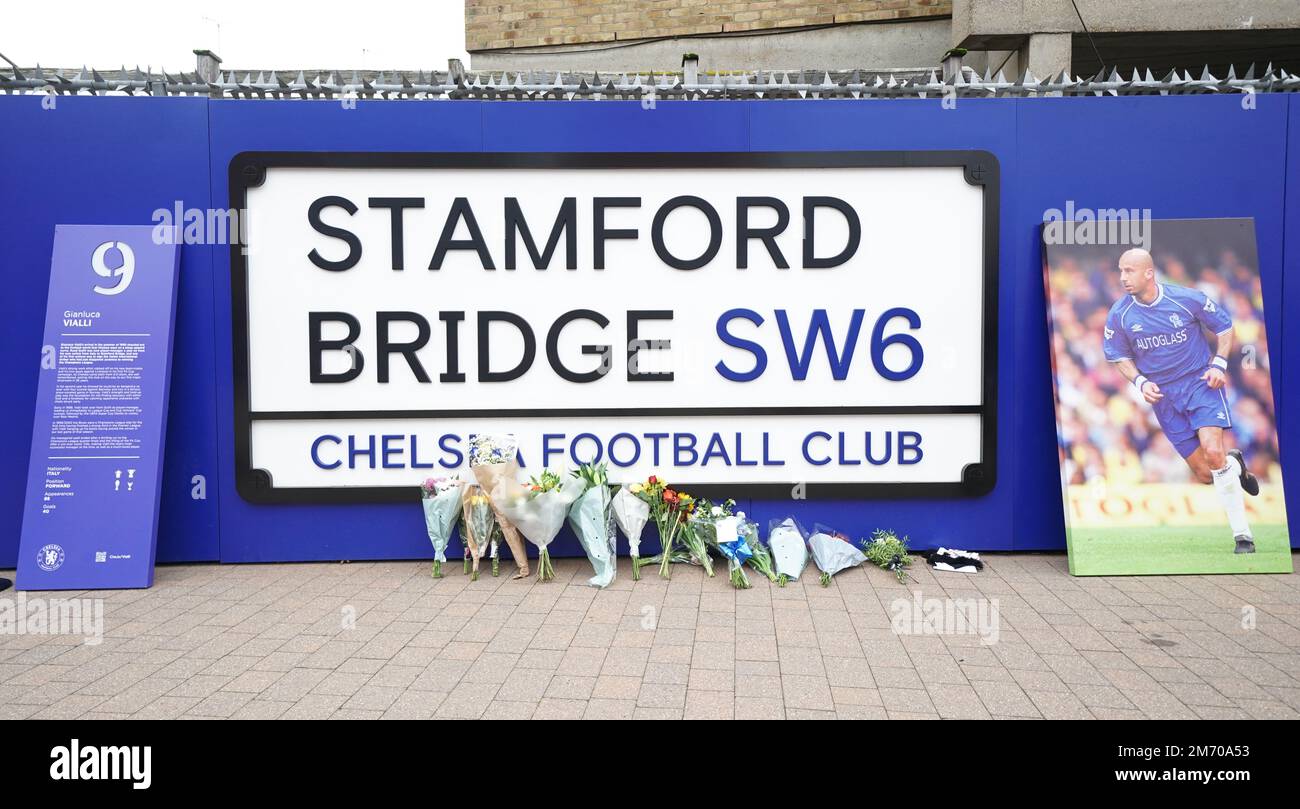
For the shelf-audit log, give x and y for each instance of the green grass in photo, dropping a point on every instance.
(1148, 551)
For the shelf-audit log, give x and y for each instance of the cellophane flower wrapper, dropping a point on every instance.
(539, 516)
(789, 544)
(477, 523)
(760, 557)
(592, 521)
(631, 513)
(832, 552)
(442, 508)
(493, 458)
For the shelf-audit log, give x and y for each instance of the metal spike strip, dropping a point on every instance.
(531, 86)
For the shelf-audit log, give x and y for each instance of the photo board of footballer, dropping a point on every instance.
(1164, 401)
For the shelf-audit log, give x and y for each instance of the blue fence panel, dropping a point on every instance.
(117, 160)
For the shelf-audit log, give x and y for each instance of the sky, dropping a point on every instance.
(163, 34)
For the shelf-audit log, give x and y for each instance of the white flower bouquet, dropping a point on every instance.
(592, 519)
(631, 513)
(442, 507)
(494, 460)
(538, 509)
(706, 526)
(832, 552)
(789, 549)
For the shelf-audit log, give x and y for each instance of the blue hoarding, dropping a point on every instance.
(1161, 153)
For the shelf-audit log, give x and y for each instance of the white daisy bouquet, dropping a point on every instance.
(441, 499)
(494, 460)
(631, 513)
(592, 519)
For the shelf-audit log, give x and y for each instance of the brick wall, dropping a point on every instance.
(525, 23)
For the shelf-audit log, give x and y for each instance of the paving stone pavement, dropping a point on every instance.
(384, 640)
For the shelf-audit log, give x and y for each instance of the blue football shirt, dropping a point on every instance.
(1165, 338)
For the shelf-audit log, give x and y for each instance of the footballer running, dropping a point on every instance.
(1157, 337)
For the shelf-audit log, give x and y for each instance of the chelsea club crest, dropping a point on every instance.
(50, 558)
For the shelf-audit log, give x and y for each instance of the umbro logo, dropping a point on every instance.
(1137, 327)
(1220, 416)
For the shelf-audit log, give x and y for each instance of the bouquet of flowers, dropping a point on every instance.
(724, 528)
(593, 521)
(631, 513)
(538, 509)
(789, 549)
(760, 558)
(441, 499)
(888, 551)
(670, 510)
(832, 552)
(703, 533)
(493, 459)
(476, 526)
(705, 517)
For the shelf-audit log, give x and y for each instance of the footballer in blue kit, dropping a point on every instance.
(1172, 344)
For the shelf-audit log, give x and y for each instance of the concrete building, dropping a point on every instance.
(1045, 36)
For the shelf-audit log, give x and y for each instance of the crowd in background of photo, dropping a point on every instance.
(1108, 432)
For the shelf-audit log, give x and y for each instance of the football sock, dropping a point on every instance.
(1228, 486)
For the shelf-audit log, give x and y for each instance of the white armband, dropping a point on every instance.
(1139, 382)
(1220, 363)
